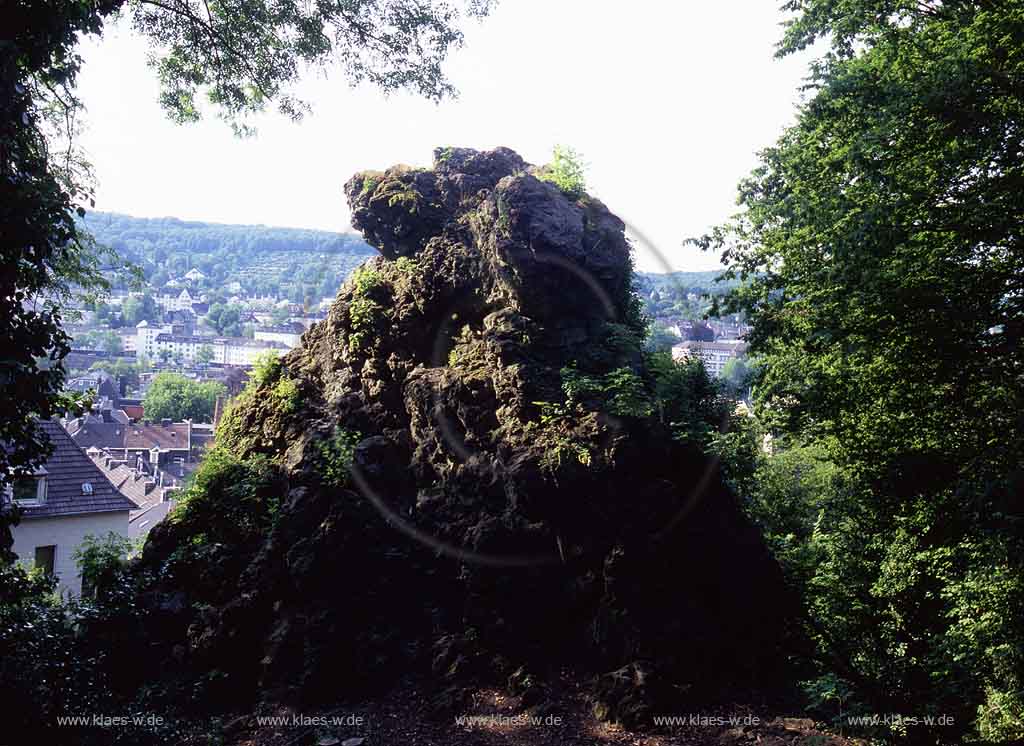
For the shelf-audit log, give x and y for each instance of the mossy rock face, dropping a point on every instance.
(483, 519)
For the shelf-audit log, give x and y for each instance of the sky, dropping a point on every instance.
(668, 102)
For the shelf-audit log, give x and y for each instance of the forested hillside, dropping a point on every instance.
(295, 263)
(286, 262)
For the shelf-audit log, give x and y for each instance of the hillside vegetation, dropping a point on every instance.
(284, 262)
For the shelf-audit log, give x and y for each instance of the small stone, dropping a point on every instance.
(328, 741)
(353, 742)
(798, 724)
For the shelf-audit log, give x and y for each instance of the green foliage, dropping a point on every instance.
(1000, 716)
(371, 180)
(504, 222)
(408, 198)
(285, 263)
(139, 308)
(175, 397)
(879, 245)
(205, 355)
(364, 312)
(363, 316)
(567, 171)
(365, 280)
(242, 56)
(45, 670)
(239, 56)
(659, 338)
(119, 368)
(225, 319)
(406, 265)
(738, 375)
(336, 455)
(684, 295)
(44, 183)
(286, 393)
(228, 500)
(101, 562)
(687, 399)
(620, 392)
(560, 435)
(104, 340)
(266, 369)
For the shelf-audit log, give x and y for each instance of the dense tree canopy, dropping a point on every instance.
(881, 243)
(175, 397)
(42, 183)
(139, 308)
(243, 55)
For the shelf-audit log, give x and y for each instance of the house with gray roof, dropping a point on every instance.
(149, 487)
(67, 499)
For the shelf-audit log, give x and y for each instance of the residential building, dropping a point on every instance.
(246, 352)
(128, 337)
(151, 489)
(163, 444)
(67, 499)
(714, 354)
(152, 340)
(171, 302)
(289, 334)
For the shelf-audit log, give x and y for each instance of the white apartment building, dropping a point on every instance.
(714, 354)
(151, 340)
(286, 335)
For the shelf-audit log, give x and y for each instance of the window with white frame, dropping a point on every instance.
(28, 491)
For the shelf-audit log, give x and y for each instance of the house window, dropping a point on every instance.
(29, 491)
(45, 557)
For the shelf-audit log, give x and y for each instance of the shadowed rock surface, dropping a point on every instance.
(409, 490)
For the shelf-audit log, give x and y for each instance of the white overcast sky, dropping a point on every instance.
(668, 102)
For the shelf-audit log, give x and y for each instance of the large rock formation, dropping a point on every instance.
(463, 470)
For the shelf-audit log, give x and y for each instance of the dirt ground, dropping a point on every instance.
(490, 717)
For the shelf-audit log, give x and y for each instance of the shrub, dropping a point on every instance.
(336, 455)
(406, 265)
(620, 392)
(687, 399)
(566, 171)
(365, 280)
(560, 432)
(364, 312)
(46, 669)
(287, 395)
(229, 498)
(102, 562)
(265, 369)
